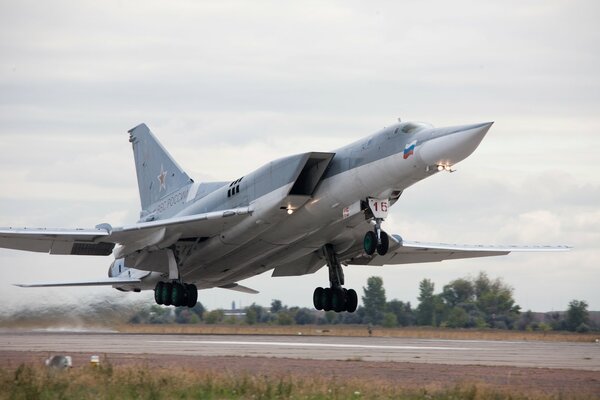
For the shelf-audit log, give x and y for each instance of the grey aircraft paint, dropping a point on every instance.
(293, 216)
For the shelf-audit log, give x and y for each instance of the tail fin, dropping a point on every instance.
(157, 173)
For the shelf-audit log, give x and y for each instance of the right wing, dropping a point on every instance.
(101, 240)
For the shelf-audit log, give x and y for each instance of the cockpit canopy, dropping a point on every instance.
(412, 127)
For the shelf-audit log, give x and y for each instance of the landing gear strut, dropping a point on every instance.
(335, 297)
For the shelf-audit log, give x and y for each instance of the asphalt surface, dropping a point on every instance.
(584, 356)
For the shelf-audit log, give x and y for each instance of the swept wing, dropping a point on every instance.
(410, 252)
(102, 239)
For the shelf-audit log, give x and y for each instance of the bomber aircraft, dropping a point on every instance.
(293, 216)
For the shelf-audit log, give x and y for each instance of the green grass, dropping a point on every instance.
(153, 382)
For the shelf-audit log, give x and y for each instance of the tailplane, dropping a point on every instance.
(157, 173)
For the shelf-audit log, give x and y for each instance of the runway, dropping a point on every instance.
(582, 356)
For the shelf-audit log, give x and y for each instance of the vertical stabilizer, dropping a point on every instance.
(157, 173)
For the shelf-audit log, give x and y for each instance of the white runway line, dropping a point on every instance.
(304, 344)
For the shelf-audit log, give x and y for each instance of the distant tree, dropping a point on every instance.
(160, 315)
(256, 314)
(404, 313)
(184, 315)
(426, 308)
(285, 318)
(374, 300)
(214, 316)
(457, 318)
(390, 320)
(353, 318)
(577, 314)
(304, 316)
(459, 291)
(199, 310)
(556, 321)
(276, 306)
(495, 300)
(526, 322)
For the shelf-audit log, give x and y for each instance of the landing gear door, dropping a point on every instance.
(379, 207)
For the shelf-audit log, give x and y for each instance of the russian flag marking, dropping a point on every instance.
(409, 149)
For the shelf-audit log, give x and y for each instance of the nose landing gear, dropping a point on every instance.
(377, 239)
(334, 298)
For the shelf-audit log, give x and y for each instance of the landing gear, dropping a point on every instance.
(377, 239)
(176, 294)
(334, 298)
(338, 300)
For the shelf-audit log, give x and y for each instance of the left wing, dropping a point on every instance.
(57, 241)
(101, 240)
(409, 252)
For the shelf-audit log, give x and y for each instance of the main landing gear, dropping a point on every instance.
(176, 294)
(334, 298)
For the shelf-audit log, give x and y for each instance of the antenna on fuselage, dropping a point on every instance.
(399, 119)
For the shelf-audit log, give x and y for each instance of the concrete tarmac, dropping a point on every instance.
(584, 356)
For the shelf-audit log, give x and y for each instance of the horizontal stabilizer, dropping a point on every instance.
(239, 288)
(97, 282)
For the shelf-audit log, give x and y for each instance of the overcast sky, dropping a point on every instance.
(227, 86)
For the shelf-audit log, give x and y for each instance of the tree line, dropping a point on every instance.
(479, 302)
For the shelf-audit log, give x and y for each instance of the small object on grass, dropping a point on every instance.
(95, 361)
(59, 362)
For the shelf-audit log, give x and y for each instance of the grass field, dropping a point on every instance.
(360, 330)
(144, 382)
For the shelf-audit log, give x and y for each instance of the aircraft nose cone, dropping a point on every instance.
(447, 146)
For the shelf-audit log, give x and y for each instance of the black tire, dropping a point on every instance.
(318, 298)
(338, 300)
(192, 295)
(158, 291)
(327, 297)
(167, 289)
(351, 300)
(178, 294)
(370, 242)
(383, 247)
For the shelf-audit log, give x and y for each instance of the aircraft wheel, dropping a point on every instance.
(177, 294)
(158, 290)
(383, 247)
(192, 295)
(338, 300)
(318, 298)
(370, 242)
(167, 290)
(351, 300)
(327, 299)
